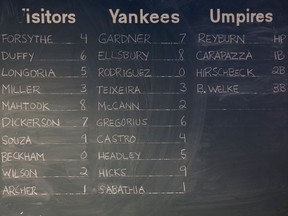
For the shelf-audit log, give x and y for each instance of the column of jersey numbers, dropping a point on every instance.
(83, 71)
(182, 107)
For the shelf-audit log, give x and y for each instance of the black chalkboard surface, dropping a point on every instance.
(144, 108)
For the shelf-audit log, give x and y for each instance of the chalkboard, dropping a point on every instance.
(144, 108)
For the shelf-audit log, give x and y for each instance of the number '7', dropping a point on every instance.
(183, 35)
(85, 121)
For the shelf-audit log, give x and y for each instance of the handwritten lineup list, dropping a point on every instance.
(81, 118)
(44, 114)
(109, 113)
(136, 142)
